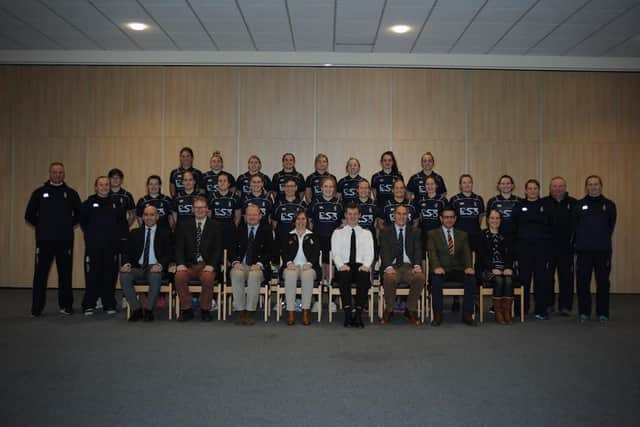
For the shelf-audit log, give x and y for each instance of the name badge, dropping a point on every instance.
(96, 205)
(45, 195)
(585, 207)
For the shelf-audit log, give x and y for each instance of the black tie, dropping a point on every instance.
(147, 246)
(400, 248)
(251, 246)
(352, 249)
(198, 239)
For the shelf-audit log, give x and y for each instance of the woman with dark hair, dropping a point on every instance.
(210, 178)
(183, 202)
(416, 184)
(313, 184)
(254, 166)
(429, 207)
(348, 184)
(506, 203)
(288, 172)
(326, 214)
(225, 208)
(495, 259)
(260, 197)
(176, 184)
(162, 203)
(533, 225)
(386, 214)
(469, 209)
(382, 181)
(300, 250)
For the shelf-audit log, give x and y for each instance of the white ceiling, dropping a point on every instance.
(518, 28)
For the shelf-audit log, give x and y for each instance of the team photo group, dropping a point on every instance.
(304, 235)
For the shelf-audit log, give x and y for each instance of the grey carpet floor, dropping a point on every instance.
(104, 371)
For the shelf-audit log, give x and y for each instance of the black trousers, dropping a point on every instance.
(533, 263)
(101, 273)
(362, 280)
(468, 281)
(46, 251)
(586, 263)
(561, 260)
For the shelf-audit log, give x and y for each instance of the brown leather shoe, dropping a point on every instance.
(306, 317)
(507, 304)
(467, 319)
(250, 319)
(498, 307)
(386, 317)
(437, 319)
(241, 316)
(291, 317)
(413, 318)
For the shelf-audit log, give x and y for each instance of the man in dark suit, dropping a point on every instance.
(251, 261)
(146, 256)
(198, 254)
(450, 261)
(400, 252)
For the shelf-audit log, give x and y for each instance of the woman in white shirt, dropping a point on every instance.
(300, 251)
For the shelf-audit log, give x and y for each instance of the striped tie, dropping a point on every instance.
(450, 242)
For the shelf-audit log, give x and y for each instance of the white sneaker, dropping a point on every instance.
(99, 304)
(334, 308)
(214, 305)
(125, 304)
(314, 307)
(88, 312)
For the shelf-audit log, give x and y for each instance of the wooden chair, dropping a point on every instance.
(195, 287)
(335, 292)
(280, 293)
(142, 287)
(488, 291)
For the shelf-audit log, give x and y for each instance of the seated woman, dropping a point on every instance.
(496, 266)
(300, 250)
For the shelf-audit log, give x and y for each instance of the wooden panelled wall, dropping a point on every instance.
(527, 124)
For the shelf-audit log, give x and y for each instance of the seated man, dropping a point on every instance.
(352, 252)
(198, 253)
(450, 261)
(146, 256)
(251, 257)
(401, 255)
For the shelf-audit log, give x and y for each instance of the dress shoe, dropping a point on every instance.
(250, 318)
(357, 320)
(348, 320)
(148, 315)
(136, 315)
(467, 319)
(291, 317)
(186, 315)
(386, 317)
(306, 317)
(205, 316)
(413, 318)
(437, 319)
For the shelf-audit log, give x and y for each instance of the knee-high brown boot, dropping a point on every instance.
(497, 307)
(507, 304)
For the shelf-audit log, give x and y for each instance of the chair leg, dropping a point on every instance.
(170, 304)
(481, 304)
(522, 306)
(177, 306)
(329, 305)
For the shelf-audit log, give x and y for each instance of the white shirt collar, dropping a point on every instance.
(306, 231)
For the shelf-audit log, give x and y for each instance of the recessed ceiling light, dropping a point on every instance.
(400, 29)
(137, 26)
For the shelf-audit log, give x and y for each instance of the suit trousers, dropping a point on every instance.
(404, 275)
(195, 272)
(127, 280)
(252, 280)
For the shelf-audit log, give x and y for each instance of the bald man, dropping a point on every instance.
(146, 257)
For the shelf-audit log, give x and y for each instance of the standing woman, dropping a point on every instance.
(101, 220)
(260, 197)
(469, 209)
(286, 208)
(429, 207)
(254, 165)
(348, 184)
(288, 171)
(506, 203)
(300, 250)
(496, 266)
(416, 185)
(326, 213)
(386, 213)
(176, 178)
(533, 225)
(155, 198)
(210, 178)
(183, 202)
(595, 220)
(382, 181)
(313, 185)
(224, 205)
